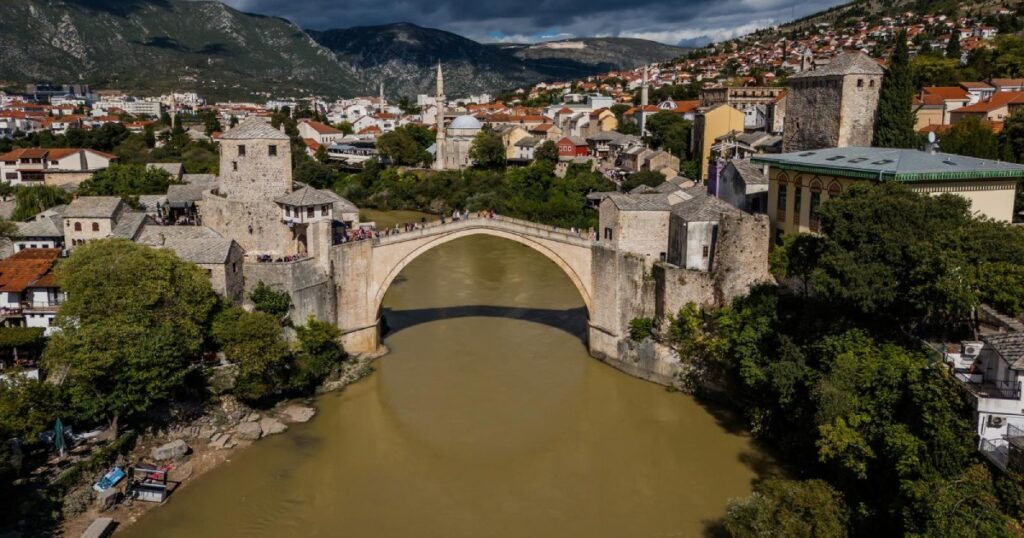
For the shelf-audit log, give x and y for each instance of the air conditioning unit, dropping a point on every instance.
(995, 421)
(971, 349)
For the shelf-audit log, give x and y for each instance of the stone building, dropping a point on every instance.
(833, 105)
(453, 153)
(255, 169)
(88, 218)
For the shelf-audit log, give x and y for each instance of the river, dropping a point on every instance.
(488, 418)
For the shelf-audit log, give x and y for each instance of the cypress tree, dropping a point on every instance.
(953, 49)
(894, 126)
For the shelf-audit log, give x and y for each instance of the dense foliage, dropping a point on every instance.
(894, 126)
(132, 324)
(29, 201)
(533, 192)
(126, 180)
(832, 377)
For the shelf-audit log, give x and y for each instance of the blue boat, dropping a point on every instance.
(109, 480)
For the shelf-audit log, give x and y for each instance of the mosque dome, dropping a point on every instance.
(465, 122)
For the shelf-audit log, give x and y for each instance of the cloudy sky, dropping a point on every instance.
(685, 22)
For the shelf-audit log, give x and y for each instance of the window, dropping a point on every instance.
(705, 251)
(234, 165)
(323, 211)
(78, 226)
(782, 197)
(11, 175)
(871, 83)
(95, 226)
(309, 211)
(797, 196)
(608, 233)
(860, 83)
(241, 150)
(272, 151)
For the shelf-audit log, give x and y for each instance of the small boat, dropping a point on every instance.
(109, 480)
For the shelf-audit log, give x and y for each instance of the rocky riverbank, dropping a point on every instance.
(192, 449)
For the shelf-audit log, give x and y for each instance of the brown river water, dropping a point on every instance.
(487, 419)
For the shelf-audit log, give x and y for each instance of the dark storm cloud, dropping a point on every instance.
(674, 22)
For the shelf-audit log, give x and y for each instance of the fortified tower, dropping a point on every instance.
(833, 105)
(255, 162)
(255, 170)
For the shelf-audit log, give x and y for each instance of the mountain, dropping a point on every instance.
(153, 46)
(159, 45)
(403, 56)
(592, 55)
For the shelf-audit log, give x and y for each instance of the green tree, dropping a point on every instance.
(400, 147)
(320, 353)
(953, 49)
(547, 152)
(29, 201)
(931, 70)
(972, 138)
(670, 132)
(645, 177)
(488, 151)
(126, 180)
(894, 126)
(797, 257)
(1011, 139)
(791, 508)
(130, 328)
(253, 342)
(266, 299)
(315, 174)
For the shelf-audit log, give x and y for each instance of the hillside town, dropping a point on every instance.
(860, 171)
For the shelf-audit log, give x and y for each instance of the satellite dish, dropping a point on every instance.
(931, 137)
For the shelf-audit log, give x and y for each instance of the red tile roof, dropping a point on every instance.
(947, 92)
(26, 268)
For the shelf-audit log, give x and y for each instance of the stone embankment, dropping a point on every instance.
(191, 449)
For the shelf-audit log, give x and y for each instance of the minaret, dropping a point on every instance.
(643, 103)
(439, 121)
(383, 103)
(174, 110)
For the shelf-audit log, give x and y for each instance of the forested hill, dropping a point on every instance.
(160, 45)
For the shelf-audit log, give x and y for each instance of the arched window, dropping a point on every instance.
(78, 226)
(835, 189)
(95, 226)
(815, 203)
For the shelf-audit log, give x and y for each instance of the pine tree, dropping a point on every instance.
(894, 127)
(953, 49)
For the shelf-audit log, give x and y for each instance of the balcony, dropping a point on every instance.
(997, 451)
(984, 388)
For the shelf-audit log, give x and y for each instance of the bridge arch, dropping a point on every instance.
(385, 275)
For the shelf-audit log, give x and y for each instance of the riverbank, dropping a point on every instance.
(196, 447)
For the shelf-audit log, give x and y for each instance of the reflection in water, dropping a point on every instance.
(485, 420)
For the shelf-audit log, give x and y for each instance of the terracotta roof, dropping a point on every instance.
(311, 144)
(947, 92)
(998, 100)
(26, 268)
(321, 128)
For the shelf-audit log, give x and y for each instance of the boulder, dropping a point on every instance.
(169, 451)
(252, 417)
(298, 413)
(248, 431)
(106, 499)
(220, 441)
(271, 426)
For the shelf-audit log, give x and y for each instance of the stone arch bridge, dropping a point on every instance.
(366, 269)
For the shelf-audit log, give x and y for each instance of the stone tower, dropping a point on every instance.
(255, 162)
(255, 169)
(439, 121)
(833, 105)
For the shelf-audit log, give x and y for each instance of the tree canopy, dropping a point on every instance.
(488, 151)
(132, 323)
(894, 125)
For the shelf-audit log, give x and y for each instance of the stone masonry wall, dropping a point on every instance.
(742, 255)
(858, 110)
(233, 218)
(812, 114)
(256, 175)
(310, 288)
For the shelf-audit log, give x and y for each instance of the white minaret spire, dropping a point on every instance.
(643, 103)
(439, 144)
(383, 103)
